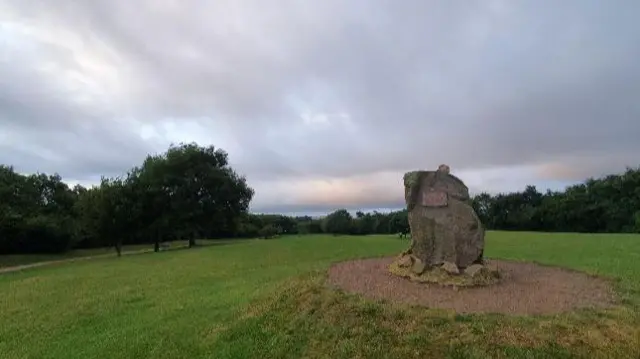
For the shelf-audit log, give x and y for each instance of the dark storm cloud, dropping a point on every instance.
(386, 86)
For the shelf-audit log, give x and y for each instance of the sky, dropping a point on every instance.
(325, 104)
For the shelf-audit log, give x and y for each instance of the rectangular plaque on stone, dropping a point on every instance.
(435, 199)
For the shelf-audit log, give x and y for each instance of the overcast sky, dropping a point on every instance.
(325, 104)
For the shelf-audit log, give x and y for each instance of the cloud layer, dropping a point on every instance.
(325, 104)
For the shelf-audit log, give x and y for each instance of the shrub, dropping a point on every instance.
(37, 234)
(269, 231)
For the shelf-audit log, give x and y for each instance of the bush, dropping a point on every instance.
(38, 234)
(269, 231)
(248, 230)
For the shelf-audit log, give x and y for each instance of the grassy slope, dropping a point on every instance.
(266, 299)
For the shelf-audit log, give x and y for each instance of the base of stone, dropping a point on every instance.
(448, 274)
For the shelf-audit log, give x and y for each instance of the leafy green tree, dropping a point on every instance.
(399, 222)
(308, 225)
(364, 223)
(105, 213)
(338, 222)
(35, 213)
(192, 190)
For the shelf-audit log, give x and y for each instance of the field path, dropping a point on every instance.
(46, 263)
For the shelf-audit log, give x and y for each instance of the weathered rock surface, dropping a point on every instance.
(474, 270)
(450, 268)
(405, 261)
(448, 274)
(418, 266)
(444, 226)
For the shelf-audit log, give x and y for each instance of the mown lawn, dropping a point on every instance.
(267, 299)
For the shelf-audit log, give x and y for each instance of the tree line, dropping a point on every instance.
(610, 204)
(188, 192)
(339, 222)
(191, 192)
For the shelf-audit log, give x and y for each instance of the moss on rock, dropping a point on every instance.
(411, 178)
(438, 275)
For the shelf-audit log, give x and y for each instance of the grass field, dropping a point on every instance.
(25, 259)
(267, 299)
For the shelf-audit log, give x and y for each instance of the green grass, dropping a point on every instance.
(13, 260)
(23, 259)
(267, 299)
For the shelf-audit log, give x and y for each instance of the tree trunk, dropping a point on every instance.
(192, 238)
(119, 248)
(156, 245)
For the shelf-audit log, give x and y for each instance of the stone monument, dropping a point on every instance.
(447, 237)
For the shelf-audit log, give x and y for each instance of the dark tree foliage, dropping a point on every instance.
(36, 213)
(608, 204)
(187, 192)
(269, 231)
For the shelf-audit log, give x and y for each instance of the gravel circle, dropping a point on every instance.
(524, 289)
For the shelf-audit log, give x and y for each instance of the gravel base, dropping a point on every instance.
(524, 288)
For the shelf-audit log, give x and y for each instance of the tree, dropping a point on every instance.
(338, 222)
(194, 190)
(149, 184)
(35, 213)
(399, 223)
(106, 213)
(308, 225)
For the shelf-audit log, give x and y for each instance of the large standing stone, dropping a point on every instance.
(444, 226)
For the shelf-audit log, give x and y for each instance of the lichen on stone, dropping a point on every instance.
(438, 275)
(411, 178)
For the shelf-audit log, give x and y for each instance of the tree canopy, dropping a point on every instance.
(607, 204)
(187, 192)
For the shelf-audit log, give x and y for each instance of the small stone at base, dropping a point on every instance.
(474, 270)
(418, 266)
(450, 268)
(405, 261)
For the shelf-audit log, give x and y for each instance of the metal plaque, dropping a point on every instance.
(435, 199)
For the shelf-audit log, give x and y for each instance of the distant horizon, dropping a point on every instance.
(551, 185)
(315, 210)
(324, 213)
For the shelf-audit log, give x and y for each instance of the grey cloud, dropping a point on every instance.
(578, 169)
(45, 130)
(477, 84)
